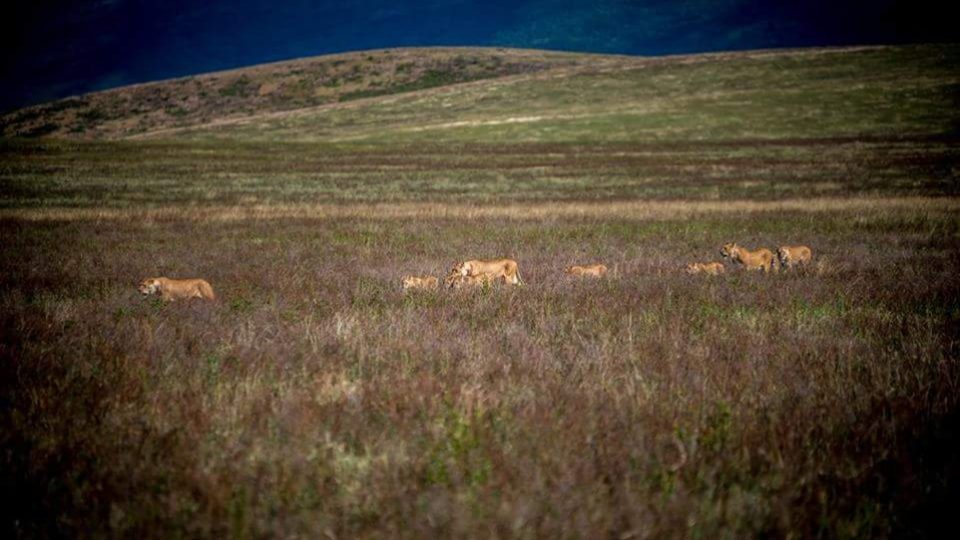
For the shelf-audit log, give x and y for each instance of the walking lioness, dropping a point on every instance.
(711, 268)
(173, 289)
(414, 282)
(505, 268)
(791, 256)
(592, 270)
(761, 259)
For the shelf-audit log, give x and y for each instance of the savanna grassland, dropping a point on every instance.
(315, 398)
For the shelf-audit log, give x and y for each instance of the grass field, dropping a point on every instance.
(314, 398)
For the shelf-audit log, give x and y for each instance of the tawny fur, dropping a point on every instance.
(418, 282)
(458, 281)
(792, 256)
(174, 289)
(505, 268)
(710, 268)
(592, 270)
(761, 259)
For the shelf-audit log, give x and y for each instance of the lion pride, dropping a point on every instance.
(173, 289)
(505, 268)
(591, 270)
(761, 259)
(791, 256)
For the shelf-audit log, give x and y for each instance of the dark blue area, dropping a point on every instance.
(56, 48)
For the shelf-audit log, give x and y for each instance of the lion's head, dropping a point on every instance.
(149, 286)
(453, 279)
(729, 250)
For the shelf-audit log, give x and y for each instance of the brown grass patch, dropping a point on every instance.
(625, 210)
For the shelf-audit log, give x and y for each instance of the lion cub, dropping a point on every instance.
(173, 289)
(416, 282)
(711, 268)
(591, 270)
(791, 256)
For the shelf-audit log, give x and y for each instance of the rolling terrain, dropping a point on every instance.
(315, 398)
(404, 96)
(271, 88)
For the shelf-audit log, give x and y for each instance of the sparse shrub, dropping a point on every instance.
(177, 112)
(241, 87)
(92, 115)
(41, 130)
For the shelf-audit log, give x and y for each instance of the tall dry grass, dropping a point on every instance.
(629, 210)
(315, 398)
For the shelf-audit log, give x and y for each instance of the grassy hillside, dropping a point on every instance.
(271, 87)
(809, 93)
(412, 95)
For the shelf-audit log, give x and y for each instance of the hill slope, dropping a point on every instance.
(419, 95)
(272, 87)
(813, 93)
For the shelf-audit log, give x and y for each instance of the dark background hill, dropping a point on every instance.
(59, 48)
(496, 94)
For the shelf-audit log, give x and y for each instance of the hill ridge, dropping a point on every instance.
(272, 87)
(480, 94)
(155, 108)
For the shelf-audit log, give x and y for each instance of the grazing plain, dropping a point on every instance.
(316, 398)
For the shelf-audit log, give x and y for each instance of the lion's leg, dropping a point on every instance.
(206, 291)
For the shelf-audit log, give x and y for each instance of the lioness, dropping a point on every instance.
(791, 256)
(415, 282)
(458, 281)
(711, 268)
(592, 270)
(505, 268)
(172, 289)
(761, 259)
